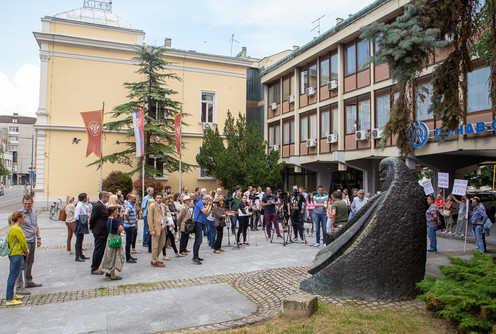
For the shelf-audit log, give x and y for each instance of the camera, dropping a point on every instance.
(216, 202)
(254, 196)
(282, 193)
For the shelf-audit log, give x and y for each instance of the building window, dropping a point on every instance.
(479, 96)
(350, 63)
(288, 87)
(288, 132)
(423, 101)
(14, 139)
(160, 166)
(303, 80)
(312, 75)
(14, 129)
(275, 93)
(334, 66)
(14, 120)
(324, 123)
(334, 120)
(363, 54)
(202, 174)
(274, 134)
(364, 115)
(13, 148)
(324, 72)
(308, 127)
(382, 110)
(351, 117)
(303, 128)
(208, 113)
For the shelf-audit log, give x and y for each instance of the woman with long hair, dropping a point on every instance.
(70, 209)
(448, 215)
(243, 218)
(113, 258)
(18, 252)
(461, 221)
(220, 222)
(169, 202)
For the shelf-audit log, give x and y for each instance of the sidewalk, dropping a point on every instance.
(236, 288)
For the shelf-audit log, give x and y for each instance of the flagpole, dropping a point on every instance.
(143, 157)
(101, 150)
(180, 151)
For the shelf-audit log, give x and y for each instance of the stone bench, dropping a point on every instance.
(300, 306)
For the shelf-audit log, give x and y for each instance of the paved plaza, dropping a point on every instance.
(237, 288)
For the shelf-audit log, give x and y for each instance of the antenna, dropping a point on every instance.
(318, 24)
(232, 40)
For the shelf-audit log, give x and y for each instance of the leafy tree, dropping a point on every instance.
(154, 97)
(3, 169)
(407, 43)
(424, 172)
(241, 158)
(118, 180)
(484, 179)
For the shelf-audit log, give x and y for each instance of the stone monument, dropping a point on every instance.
(380, 253)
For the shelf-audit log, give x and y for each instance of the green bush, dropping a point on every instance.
(149, 182)
(467, 293)
(118, 181)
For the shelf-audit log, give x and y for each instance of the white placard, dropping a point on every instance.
(443, 180)
(428, 188)
(459, 187)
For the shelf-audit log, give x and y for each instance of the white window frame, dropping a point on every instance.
(214, 116)
(165, 173)
(199, 169)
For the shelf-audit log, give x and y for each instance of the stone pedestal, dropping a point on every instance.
(300, 306)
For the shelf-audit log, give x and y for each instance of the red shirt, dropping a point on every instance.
(439, 203)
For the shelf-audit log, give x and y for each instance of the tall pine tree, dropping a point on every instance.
(154, 96)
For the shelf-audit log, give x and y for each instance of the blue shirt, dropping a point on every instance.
(132, 215)
(479, 215)
(271, 208)
(198, 215)
(144, 205)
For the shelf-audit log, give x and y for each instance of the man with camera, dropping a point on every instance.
(254, 200)
(296, 207)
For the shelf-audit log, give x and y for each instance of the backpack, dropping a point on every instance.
(62, 214)
(4, 245)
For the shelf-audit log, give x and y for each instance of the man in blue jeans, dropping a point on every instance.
(477, 218)
(144, 206)
(432, 217)
(320, 201)
(202, 209)
(130, 225)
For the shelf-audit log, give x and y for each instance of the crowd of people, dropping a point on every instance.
(113, 221)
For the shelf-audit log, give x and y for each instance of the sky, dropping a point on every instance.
(264, 27)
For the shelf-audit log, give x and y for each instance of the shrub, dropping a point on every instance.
(149, 182)
(467, 293)
(118, 180)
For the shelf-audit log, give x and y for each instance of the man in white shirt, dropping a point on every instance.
(358, 202)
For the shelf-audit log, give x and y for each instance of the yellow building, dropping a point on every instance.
(86, 55)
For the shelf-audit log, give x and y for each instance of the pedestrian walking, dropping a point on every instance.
(18, 252)
(33, 239)
(98, 226)
(70, 209)
(113, 257)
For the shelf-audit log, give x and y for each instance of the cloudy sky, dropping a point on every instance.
(264, 27)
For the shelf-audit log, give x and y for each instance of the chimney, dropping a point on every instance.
(168, 42)
(243, 52)
(295, 47)
(339, 20)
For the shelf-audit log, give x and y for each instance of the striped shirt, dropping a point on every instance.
(132, 215)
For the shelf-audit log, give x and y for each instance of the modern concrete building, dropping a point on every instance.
(21, 144)
(86, 55)
(325, 108)
(6, 156)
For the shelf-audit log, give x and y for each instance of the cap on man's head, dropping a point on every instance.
(186, 198)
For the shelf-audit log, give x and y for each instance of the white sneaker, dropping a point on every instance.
(317, 245)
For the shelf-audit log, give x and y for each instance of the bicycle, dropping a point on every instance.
(54, 210)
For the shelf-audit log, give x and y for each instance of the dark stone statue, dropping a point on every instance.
(380, 253)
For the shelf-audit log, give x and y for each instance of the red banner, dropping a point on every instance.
(177, 127)
(93, 122)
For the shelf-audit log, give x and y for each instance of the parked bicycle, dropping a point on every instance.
(54, 210)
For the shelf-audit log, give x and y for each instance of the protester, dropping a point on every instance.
(130, 225)
(113, 257)
(81, 217)
(432, 217)
(477, 219)
(296, 207)
(243, 217)
(98, 225)
(448, 215)
(202, 209)
(269, 203)
(220, 222)
(18, 251)
(144, 207)
(157, 213)
(69, 209)
(440, 207)
(461, 221)
(320, 202)
(183, 215)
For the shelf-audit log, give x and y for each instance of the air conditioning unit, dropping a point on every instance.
(273, 106)
(332, 138)
(291, 99)
(311, 91)
(362, 135)
(274, 147)
(207, 126)
(312, 142)
(332, 85)
(377, 133)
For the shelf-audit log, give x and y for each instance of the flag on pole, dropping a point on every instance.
(177, 127)
(139, 134)
(93, 122)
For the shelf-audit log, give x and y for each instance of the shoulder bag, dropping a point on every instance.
(190, 224)
(4, 245)
(114, 242)
(62, 214)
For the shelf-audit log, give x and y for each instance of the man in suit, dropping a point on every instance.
(157, 220)
(98, 225)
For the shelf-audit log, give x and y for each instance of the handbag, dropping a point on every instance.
(114, 242)
(62, 215)
(446, 213)
(222, 223)
(189, 225)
